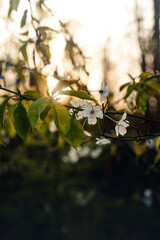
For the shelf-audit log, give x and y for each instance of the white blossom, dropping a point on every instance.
(87, 134)
(72, 156)
(121, 126)
(95, 153)
(92, 113)
(102, 141)
(104, 91)
(147, 199)
(76, 104)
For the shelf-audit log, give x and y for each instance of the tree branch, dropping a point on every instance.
(18, 94)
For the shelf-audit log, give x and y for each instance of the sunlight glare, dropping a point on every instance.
(51, 82)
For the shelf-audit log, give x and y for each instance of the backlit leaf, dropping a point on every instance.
(23, 50)
(154, 86)
(13, 6)
(141, 101)
(21, 122)
(61, 118)
(78, 94)
(129, 90)
(62, 84)
(145, 75)
(24, 17)
(33, 94)
(124, 85)
(2, 110)
(35, 110)
(75, 134)
(157, 143)
(43, 115)
(157, 159)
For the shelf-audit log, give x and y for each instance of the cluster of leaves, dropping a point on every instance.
(148, 84)
(31, 110)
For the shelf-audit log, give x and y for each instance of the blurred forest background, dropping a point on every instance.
(48, 190)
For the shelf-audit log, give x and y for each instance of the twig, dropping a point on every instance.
(134, 116)
(18, 94)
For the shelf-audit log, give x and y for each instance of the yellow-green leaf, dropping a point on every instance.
(13, 6)
(23, 50)
(75, 134)
(21, 122)
(157, 159)
(157, 143)
(33, 94)
(35, 110)
(61, 118)
(145, 75)
(154, 86)
(78, 94)
(2, 110)
(62, 84)
(141, 101)
(24, 17)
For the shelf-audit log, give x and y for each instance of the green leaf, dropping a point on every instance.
(144, 75)
(63, 84)
(21, 122)
(124, 85)
(23, 50)
(133, 79)
(36, 109)
(61, 118)
(33, 94)
(157, 143)
(2, 143)
(45, 51)
(142, 98)
(157, 159)
(24, 17)
(78, 94)
(45, 112)
(45, 28)
(152, 85)
(2, 110)
(75, 134)
(129, 90)
(13, 6)
(25, 33)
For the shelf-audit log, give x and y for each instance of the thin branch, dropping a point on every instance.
(154, 76)
(18, 94)
(146, 119)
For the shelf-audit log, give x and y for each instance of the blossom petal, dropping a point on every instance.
(86, 133)
(102, 141)
(74, 103)
(79, 115)
(88, 106)
(71, 111)
(98, 114)
(92, 120)
(101, 97)
(82, 103)
(125, 124)
(117, 130)
(86, 113)
(103, 85)
(124, 116)
(122, 130)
